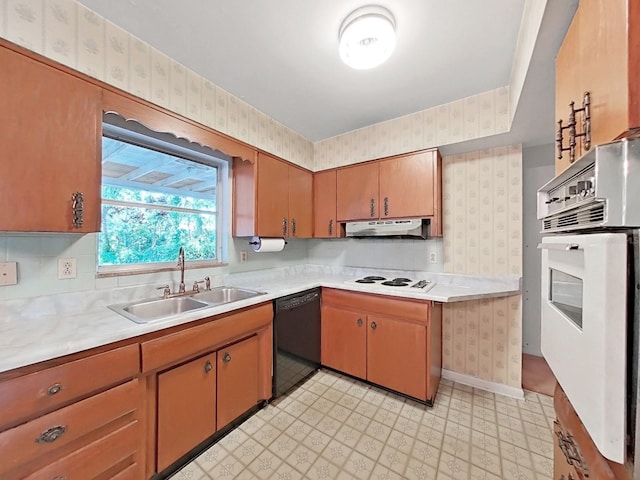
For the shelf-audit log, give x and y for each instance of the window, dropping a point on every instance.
(158, 196)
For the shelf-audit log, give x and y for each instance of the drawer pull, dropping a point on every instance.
(53, 389)
(226, 358)
(51, 435)
(570, 450)
(208, 367)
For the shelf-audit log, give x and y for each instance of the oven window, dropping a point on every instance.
(566, 295)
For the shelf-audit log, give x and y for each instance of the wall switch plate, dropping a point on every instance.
(433, 257)
(244, 256)
(8, 273)
(66, 268)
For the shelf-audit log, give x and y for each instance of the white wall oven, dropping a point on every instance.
(589, 306)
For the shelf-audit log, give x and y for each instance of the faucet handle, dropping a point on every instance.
(166, 291)
(207, 283)
(196, 287)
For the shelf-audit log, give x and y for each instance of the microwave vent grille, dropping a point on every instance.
(592, 215)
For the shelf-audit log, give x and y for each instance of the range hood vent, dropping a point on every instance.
(417, 228)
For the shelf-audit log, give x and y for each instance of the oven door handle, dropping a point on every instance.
(559, 246)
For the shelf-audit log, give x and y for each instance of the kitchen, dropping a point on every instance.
(493, 354)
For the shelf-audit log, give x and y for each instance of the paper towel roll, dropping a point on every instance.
(267, 244)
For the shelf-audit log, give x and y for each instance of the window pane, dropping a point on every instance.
(110, 192)
(140, 235)
(566, 294)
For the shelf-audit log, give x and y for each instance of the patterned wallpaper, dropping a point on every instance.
(473, 117)
(483, 235)
(75, 36)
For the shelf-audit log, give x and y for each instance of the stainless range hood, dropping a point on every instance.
(415, 228)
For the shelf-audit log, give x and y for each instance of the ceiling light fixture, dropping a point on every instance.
(367, 37)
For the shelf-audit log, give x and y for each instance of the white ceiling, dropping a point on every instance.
(282, 56)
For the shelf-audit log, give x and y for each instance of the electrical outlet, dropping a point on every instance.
(66, 268)
(244, 256)
(8, 273)
(433, 257)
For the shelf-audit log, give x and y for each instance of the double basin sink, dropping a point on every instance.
(145, 311)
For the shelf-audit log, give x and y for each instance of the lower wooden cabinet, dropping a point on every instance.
(391, 342)
(186, 408)
(237, 380)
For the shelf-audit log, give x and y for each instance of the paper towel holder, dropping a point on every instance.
(258, 243)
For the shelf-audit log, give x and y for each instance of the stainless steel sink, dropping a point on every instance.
(145, 311)
(148, 310)
(219, 295)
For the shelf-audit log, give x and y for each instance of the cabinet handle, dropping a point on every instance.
(51, 435)
(77, 209)
(54, 389)
(226, 358)
(284, 226)
(208, 366)
(570, 450)
(373, 207)
(330, 227)
(359, 322)
(374, 325)
(586, 129)
(293, 227)
(386, 206)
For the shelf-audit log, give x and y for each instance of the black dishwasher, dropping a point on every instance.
(296, 339)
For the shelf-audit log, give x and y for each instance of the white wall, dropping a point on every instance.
(538, 169)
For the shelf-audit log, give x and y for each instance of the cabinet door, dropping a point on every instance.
(186, 408)
(300, 203)
(272, 197)
(407, 186)
(237, 380)
(357, 192)
(324, 204)
(397, 355)
(344, 341)
(51, 147)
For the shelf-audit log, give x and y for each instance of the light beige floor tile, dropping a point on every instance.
(302, 458)
(369, 447)
(191, 472)
(316, 441)
(247, 451)
(359, 466)
(425, 453)
(336, 452)
(383, 473)
(417, 470)
(453, 467)
(283, 446)
(264, 466)
(322, 469)
(334, 427)
(394, 459)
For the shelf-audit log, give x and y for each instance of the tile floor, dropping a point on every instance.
(333, 427)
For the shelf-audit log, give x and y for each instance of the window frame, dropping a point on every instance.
(167, 143)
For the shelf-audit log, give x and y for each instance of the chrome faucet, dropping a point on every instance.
(181, 289)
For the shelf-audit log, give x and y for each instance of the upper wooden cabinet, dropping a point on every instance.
(51, 140)
(271, 198)
(325, 223)
(600, 55)
(402, 186)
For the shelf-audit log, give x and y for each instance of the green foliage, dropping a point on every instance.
(148, 234)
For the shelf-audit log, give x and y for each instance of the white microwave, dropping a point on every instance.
(584, 328)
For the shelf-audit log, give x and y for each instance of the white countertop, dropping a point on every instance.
(42, 328)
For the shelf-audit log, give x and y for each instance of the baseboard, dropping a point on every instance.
(493, 387)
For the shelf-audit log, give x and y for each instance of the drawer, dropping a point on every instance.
(132, 472)
(26, 397)
(98, 457)
(185, 344)
(408, 309)
(50, 432)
